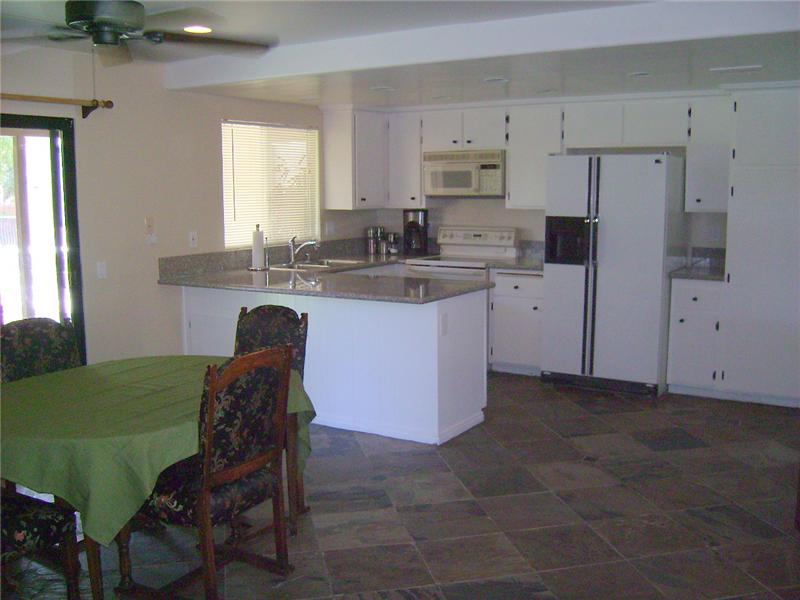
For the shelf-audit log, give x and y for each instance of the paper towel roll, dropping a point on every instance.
(258, 248)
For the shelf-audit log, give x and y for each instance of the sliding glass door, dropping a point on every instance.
(39, 244)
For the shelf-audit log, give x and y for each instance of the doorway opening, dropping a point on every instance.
(39, 241)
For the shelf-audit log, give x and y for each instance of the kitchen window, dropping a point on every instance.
(270, 177)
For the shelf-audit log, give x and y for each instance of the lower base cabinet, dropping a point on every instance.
(515, 318)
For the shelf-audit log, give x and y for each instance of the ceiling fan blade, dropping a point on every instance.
(60, 34)
(177, 19)
(193, 38)
(112, 56)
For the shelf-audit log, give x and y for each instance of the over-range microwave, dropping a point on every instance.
(465, 174)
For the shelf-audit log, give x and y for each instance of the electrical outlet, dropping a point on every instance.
(192, 239)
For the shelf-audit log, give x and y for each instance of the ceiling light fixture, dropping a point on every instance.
(639, 74)
(496, 80)
(381, 88)
(197, 29)
(737, 69)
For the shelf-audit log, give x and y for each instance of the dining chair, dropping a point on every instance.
(36, 346)
(242, 435)
(30, 526)
(272, 325)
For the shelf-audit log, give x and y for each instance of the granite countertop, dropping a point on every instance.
(333, 283)
(705, 270)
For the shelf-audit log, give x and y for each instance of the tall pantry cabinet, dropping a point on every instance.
(760, 325)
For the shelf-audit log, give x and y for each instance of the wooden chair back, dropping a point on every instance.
(271, 325)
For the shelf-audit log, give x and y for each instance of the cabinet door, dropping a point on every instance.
(655, 123)
(708, 155)
(760, 320)
(692, 349)
(441, 130)
(484, 128)
(370, 159)
(516, 331)
(534, 132)
(405, 180)
(337, 159)
(768, 128)
(593, 124)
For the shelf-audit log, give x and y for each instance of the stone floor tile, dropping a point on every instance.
(327, 442)
(555, 408)
(607, 502)
(675, 493)
(377, 444)
(499, 481)
(762, 453)
(672, 438)
(520, 587)
(536, 452)
(792, 593)
(510, 428)
(445, 520)
(726, 524)
(476, 456)
(362, 528)
(336, 469)
(746, 484)
(778, 512)
(526, 511)
(637, 421)
(607, 404)
(396, 464)
(376, 568)
(611, 446)
(425, 488)
(431, 592)
(308, 580)
(696, 574)
(348, 497)
(564, 546)
(634, 468)
(576, 426)
(572, 475)
(600, 582)
(475, 436)
(474, 557)
(701, 461)
(775, 564)
(647, 535)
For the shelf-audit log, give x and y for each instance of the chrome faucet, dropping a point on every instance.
(294, 249)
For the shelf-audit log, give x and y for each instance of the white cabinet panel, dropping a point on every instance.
(441, 130)
(370, 159)
(534, 132)
(484, 128)
(568, 186)
(768, 128)
(405, 161)
(593, 124)
(655, 123)
(708, 155)
(516, 330)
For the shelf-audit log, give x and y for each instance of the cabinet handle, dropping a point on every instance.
(714, 376)
(694, 299)
(413, 197)
(363, 199)
(455, 141)
(680, 320)
(469, 141)
(535, 308)
(698, 200)
(516, 287)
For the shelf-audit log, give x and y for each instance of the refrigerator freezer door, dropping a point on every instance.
(563, 331)
(630, 267)
(568, 185)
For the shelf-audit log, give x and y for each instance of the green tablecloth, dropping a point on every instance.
(99, 436)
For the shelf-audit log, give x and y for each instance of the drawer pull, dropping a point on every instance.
(680, 320)
(516, 287)
(694, 299)
(535, 308)
(698, 200)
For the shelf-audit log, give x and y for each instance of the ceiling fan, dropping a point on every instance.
(112, 24)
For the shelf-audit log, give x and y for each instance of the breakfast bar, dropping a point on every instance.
(403, 357)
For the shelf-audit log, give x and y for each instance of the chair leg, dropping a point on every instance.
(279, 523)
(206, 533)
(95, 570)
(72, 567)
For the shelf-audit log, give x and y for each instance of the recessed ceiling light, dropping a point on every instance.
(197, 29)
(639, 74)
(737, 69)
(382, 88)
(496, 80)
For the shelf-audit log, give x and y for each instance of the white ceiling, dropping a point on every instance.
(440, 52)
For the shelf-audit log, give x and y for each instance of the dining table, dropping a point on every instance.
(98, 436)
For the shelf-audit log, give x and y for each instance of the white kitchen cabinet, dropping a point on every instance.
(354, 159)
(767, 128)
(534, 132)
(405, 161)
(479, 128)
(655, 122)
(693, 334)
(515, 322)
(708, 154)
(761, 333)
(593, 124)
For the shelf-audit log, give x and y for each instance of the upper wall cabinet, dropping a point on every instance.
(708, 154)
(354, 159)
(767, 128)
(593, 125)
(534, 132)
(655, 123)
(480, 128)
(405, 180)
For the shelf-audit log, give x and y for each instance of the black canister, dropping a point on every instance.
(415, 232)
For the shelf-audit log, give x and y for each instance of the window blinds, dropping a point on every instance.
(270, 178)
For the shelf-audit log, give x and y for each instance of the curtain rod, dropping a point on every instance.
(87, 106)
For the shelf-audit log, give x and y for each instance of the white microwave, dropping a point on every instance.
(465, 174)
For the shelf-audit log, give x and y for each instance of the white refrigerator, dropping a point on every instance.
(614, 229)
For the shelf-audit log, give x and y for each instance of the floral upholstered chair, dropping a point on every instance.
(242, 435)
(269, 326)
(30, 525)
(36, 346)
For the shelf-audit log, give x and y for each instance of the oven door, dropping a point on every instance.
(443, 272)
(442, 179)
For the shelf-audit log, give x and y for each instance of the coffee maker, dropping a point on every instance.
(415, 232)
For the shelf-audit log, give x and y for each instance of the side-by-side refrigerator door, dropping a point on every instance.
(566, 263)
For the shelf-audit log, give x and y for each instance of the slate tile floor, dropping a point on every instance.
(561, 493)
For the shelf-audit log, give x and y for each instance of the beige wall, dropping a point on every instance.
(156, 153)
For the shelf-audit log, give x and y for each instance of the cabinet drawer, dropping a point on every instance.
(696, 295)
(521, 286)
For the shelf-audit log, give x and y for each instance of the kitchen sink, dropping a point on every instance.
(299, 266)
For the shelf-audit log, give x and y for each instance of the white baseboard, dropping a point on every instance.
(460, 427)
(516, 369)
(735, 396)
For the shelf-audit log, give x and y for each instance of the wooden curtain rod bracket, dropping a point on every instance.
(87, 106)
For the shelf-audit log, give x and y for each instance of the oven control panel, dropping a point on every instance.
(504, 237)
